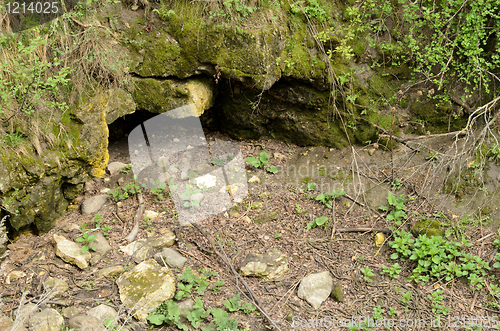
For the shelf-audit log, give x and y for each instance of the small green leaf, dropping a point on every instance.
(156, 319)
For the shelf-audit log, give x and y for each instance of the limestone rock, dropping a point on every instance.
(271, 265)
(14, 276)
(178, 99)
(172, 258)
(115, 167)
(118, 104)
(141, 248)
(46, 320)
(144, 287)
(94, 204)
(69, 312)
(71, 252)
(151, 214)
(84, 322)
(101, 245)
(254, 179)
(8, 324)
(55, 286)
(316, 288)
(110, 271)
(102, 312)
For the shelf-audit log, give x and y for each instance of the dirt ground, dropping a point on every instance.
(235, 234)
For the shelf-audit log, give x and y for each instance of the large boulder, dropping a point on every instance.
(144, 287)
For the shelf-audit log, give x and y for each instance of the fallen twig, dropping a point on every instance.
(137, 218)
(384, 230)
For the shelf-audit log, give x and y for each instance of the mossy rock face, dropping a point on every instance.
(159, 96)
(296, 113)
(428, 227)
(44, 205)
(465, 184)
(436, 116)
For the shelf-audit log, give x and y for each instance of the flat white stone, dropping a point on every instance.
(206, 181)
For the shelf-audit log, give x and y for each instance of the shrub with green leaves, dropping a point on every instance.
(438, 258)
(327, 198)
(196, 283)
(317, 222)
(261, 162)
(396, 209)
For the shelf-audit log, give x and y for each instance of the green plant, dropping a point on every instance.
(311, 186)
(368, 274)
(13, 139)
(396, 184)
(97, 219)
(234, 304)
(126, 169)
(317, 222)
(438, 258)
(437, 302)
(188, 193)
(148, 223)
(218, 285)
(406, 297)
(126, 192)
(86, 239)
(261, 162)
(168, 312)
(328, 198)
(277, 236)
(392, 271)
(105, 230)
(397, 208)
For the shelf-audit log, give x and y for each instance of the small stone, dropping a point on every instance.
(338, 293)
(85, 322)
(371, 151)
(171, 257)
(93, 204)
(206, 181)
(316, 288)
(176, 140)
(13, 276)
(254, 179)
(279, 156)
(379, 239)
(115, 167)
(71, 227)
(151, 214)
(100, 244)
(69, 312)
(271, 265)
(144, 287)
(71, 252)
(162, 162)
(110, 271)
(105, 190)
(102, 312)
(46, 320)
(185, 307)
(55, 286)
(189, 147)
